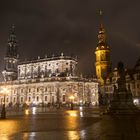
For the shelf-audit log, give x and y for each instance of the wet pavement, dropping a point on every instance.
(79, 124)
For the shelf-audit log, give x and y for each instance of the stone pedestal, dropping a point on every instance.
(122, 102)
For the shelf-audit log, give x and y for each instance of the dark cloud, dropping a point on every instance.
(71, 26)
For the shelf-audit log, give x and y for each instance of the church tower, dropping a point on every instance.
(11, 57)
(102, 53)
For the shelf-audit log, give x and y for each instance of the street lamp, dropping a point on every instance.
(71, 101)
(3, 111)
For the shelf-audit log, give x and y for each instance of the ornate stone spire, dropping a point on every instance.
(12, 43)
(102, 33)
(11, 57)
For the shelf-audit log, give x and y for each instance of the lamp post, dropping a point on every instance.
(3, 111)
(71, 101)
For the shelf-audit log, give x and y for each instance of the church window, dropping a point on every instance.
(7, 99)
(133, 86)
(18, 71)
(37, 98)
(22, 90)
(45, 98)
(21, 99)
(57, 70)
(14, 99)
(14, 91)
(29, 99)
(52, 99)
(63, 98)
(1, 100)
(66, 69)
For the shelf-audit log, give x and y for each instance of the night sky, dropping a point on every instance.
(71, 26)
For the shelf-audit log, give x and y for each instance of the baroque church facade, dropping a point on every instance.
(44, 80)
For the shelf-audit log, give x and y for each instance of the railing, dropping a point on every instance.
(48, 59)
(47, 79)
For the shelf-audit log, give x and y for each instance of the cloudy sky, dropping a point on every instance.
(71, 26)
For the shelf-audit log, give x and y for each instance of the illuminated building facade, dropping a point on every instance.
(44, 80)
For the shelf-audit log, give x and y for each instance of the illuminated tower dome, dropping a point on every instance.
(102, 53)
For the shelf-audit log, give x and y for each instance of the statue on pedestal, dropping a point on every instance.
(122, 102)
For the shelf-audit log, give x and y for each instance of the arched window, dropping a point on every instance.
(52, 99)
(37, 99)
(45, 98)
(37, 89)
(7, 99)
(14, 100)
(63, 98)
(21, 99)
(22, 90)
(1, 100)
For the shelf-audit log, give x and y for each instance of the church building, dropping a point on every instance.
(47, 80)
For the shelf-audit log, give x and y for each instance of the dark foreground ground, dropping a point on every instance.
(79, 124)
